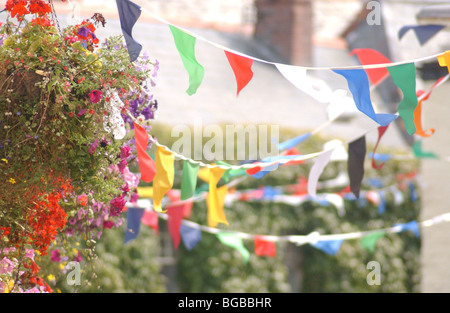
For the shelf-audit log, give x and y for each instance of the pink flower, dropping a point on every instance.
(117, 205)
(95, 96)
(56, 257)
(108, 224)
(93, 146)
(125, 152)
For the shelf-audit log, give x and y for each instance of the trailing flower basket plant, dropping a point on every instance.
(65, 101)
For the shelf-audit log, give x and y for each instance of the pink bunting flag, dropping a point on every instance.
(242, 68)
(147, 166)
(368, 57)
(264, 247)
(175, 214)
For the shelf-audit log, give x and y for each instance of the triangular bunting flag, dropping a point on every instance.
(316, 170)
(190, 236)
(147, 166)
(264, 247)
(189, 179)
(234, 241)
(418, 119)
(355, 164)
(330, 247)
(358, 83)
(185, 44)
(444, 60)
(293, 142)
(369, 241)
(150, 218)
(412, 226)
(418, 153)
(174, 219)
(381, 131)
(129, 13)
(318, 89)
(163, 181)
(242, 68)
(215, 202)
(404, 76)
(134, 216)
(370, 56)
(423, 32)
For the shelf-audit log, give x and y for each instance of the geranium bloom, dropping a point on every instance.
(82, 199)
(95, 96)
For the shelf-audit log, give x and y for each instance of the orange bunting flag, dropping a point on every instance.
(163, 180)
(242, 68)
(216, 198)
(264, 247)
(418, 119)
(422, 96)
(444, 59)
(146, 165)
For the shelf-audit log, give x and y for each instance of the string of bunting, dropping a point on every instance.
(265, 245)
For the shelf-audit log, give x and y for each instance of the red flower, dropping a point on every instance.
(95, 96)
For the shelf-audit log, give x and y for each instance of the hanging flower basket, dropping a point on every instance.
(65, 100)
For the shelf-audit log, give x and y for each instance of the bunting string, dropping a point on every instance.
(367, 66)
(301, 239)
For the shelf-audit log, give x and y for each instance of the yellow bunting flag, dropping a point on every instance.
(163, 180)
(204, 173)
(444, 59)
(216, 198)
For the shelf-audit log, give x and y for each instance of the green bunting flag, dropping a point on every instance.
(369, 241)
(418, 153)
(404, 76)
(232, 240)
(185, 44)
(189, 179)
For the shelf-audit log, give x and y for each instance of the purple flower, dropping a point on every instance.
(95, 96)
(83, 32)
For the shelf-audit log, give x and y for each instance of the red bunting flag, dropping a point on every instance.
(242, 68)
(381, 131)
(264, 247)
(368, 57)
(175, 216)
(147, 166)
(150, 218)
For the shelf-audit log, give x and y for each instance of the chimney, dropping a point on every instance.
(285, 26)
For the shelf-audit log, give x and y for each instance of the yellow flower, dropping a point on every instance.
(12, 180)
(5, 160)
(61, 266)
(75, 250)
(51, 277)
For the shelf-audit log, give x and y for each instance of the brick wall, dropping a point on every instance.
(286, 27)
